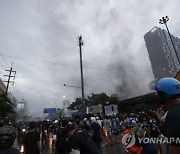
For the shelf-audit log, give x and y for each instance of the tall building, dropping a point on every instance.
(66, 104)
(162, 55)
(66, 112)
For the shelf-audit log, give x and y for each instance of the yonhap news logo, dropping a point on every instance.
(130, 139)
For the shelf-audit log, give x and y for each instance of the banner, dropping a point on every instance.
(111, 109)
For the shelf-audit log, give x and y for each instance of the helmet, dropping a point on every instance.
(7, 136)
(168, 85)
(93, 119)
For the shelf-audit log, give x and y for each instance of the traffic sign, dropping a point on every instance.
(49, 110)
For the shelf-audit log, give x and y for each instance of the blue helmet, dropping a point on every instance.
(168, 85)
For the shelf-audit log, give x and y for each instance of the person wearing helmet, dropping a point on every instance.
(168, 92)
(7, 138)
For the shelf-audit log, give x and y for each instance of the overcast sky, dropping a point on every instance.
(40, 38)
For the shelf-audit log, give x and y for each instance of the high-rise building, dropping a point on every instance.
(162, 55)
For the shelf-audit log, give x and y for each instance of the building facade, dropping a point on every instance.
(162, 55)
(66, 112)
(2, 87)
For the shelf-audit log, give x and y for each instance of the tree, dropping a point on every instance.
(6, 107)
(76, 105)
(97, 99)
(94, 99)
(114, 100)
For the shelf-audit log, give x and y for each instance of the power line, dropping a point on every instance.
(65, 51)
(88, 67)
(40, 61)
(1, 73)
(4, 59)
(14, 89)
(20, 93)
(15, 93)
(3, 69)
(2, 66)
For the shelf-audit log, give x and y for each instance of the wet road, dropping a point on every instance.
(113, 148)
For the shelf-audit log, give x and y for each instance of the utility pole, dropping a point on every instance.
(80, 44)
(9, 77)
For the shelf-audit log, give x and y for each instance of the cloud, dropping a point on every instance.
(115, 58)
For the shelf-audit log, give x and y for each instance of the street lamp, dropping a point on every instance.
(65, 85)
(83, 100)
(164, 21)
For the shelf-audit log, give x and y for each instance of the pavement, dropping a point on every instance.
(113, 148)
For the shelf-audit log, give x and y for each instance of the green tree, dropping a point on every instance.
(96, 99)
(114, 100)
(6, 108)
(92, 100)
(76, 105)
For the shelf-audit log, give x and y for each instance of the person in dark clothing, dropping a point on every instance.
(9, 150)
(44, 136)
(7, 138)
(168, 93)
(32, 140)
(81, 141)
(95, 130)
(149, 149)
(62, 142)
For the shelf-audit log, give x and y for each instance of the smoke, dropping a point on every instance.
(113, 40)
(127, 85)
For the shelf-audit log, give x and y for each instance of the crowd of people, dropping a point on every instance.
(86, 136)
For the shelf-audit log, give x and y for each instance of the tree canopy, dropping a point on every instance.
(6, 107)
(93, 100)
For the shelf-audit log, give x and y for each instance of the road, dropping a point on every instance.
(113, 148)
